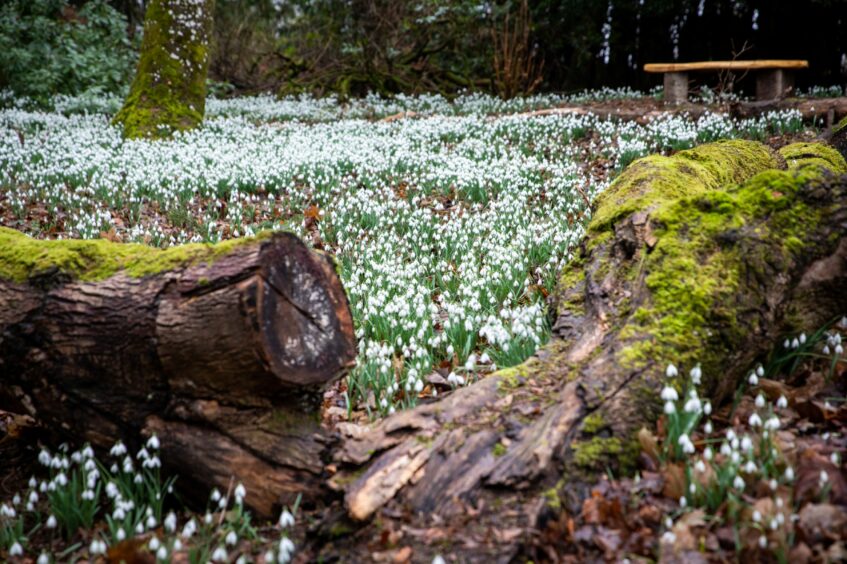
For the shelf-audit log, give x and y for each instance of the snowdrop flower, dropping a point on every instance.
(671, 371)
(746, 443)
(670, 408)
(162, 553)
(32, 482)
(438, 559)
(696, 375)
(189, 528)
(699, 466)
(16, 549)
(824, 477)
(669, 394)
(139, 528)
(51, 522)
(118, 450)
(216, 495)
(43, 558)
(755, 420)
(763, 541)
(760, 401)
(757, 516)
(231, 538)
(286, 519)
(207, 519)
(683, 502)
(750, 467)
(707, 428)
(120, 534)
(772, 423)
(151, 522)
(789, 474)
(170, 522)
(738, 483)
(154, 544)
(753, 380)
(782, 402)
(692, 405)
(240, 492)
(668, 538)
(708, 454)
(153, 442)
(219, 555)
(97, 547)
(707, 408)
(760, 371)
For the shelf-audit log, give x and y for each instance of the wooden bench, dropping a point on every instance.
(774, 77)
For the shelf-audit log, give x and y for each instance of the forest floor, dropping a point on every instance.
(501, 189)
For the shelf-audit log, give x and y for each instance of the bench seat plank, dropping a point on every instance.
(727, 65)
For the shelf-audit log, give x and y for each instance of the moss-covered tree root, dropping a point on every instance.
(168, 93)
(703, 257)
(221, 349)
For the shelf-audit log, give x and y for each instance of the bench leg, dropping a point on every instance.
(772, 84)
(676, 87)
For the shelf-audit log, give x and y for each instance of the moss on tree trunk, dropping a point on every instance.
(169, 90)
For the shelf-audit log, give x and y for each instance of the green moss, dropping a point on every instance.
(593, 423)
(552, 498)
(510, 378)
(696, 266)
(169, 90)
(22, 257)
(799, 155)
(655, 180)
(597, 451)
(499, 449)
(841, 125)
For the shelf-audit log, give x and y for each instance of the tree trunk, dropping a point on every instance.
(220, 349)
(169, 90)
(706, 257)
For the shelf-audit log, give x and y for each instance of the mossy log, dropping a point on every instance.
(220, 349)
(168, 93)
(705, 257)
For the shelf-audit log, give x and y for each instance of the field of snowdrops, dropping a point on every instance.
(449, 225)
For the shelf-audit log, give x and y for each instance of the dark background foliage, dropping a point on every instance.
(352, 47)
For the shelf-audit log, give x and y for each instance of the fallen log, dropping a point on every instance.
(706, 258)
(221, 348)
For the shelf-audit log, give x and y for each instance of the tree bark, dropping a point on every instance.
(169, 89)
(222, 353)
(703, 258)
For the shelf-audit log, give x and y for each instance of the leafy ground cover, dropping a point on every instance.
(449, 227)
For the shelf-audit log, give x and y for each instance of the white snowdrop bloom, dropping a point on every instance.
(700, 466)
(763, 541)
(7, 511)
(438, 559)
(738, 483)
(33, 483)
(782, 402)
(683, 502)
(118, 450)
(154, 544)
(190, 528)
(151, 522)
(760, 371)
(207, 518)
(97, 547)
(269, 557)
(750, 467)
(669, 394)
(671, 371)
(120, 534)
(708, 454)
(757, 516)
(16, 499)
(43, 558)
(760, 401)
(693, 405)
(87, 495)
(231, 538)
(755, 420)
(61, 479)
(240, 492)
(51, 522)
(170, 522)
(139, 528)
(835, 458)
(696, 374)
(772, 423)
(215, 495)
(87, 452)
(16, 549)
(119, 514)
(219, 555)
(162, 553)
(153, 442)
(773, 484)
(707, 408)
(668, 538)
(789, 474)
(802, 338)
(138, 478)
(795, 343)
(752, 379)
(746, 443)
(670, 408)
(824, 477)
(286, 519)
(33, 497)
(707, 427)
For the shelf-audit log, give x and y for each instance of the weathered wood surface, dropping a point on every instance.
(681, 265)
(727, 65)
(224, 357)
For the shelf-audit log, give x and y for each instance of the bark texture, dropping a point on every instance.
(222, 353)
(704, 257)
(169, 89)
